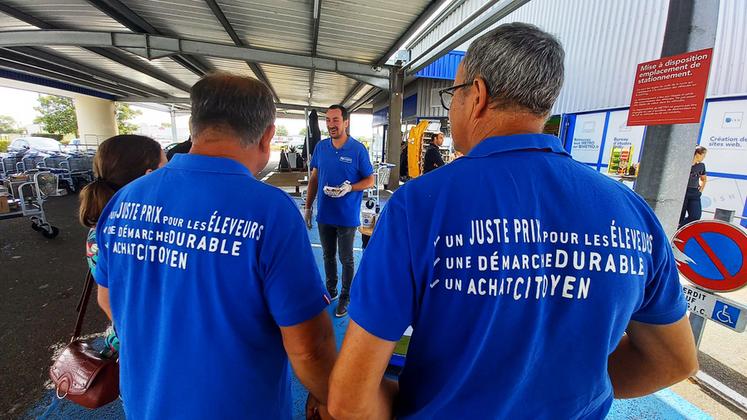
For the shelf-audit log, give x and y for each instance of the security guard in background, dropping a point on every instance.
(433, 159)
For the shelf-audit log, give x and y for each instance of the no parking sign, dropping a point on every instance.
(712, 255)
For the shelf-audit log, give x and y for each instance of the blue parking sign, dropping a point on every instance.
(725, 314)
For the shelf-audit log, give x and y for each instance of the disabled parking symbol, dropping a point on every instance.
(725, 314)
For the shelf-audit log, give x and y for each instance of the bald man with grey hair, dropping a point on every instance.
(535, 286)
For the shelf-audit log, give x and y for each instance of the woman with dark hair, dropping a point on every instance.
(119, 161)
(691, 208)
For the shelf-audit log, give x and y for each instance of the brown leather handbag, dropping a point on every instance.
(81, 373)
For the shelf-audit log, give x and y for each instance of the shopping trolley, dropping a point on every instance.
(381, 177)
(28, 192)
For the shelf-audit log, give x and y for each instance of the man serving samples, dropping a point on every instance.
(340, 164)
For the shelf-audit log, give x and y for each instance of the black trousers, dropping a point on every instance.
(691, 208)
(334, 239)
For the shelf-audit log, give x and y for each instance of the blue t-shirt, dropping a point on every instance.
(203, 263)
(519, 270)
(335, 166)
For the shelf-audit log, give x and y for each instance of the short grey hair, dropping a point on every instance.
(522, 67)
(231, 102)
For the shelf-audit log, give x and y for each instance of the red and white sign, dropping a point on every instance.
(712, 254)
(670, 90)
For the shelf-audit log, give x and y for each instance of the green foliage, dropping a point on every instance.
(9, 126)
(56, 115)
(4, 145)
(281, 130)
(324, 132)
(124, 115)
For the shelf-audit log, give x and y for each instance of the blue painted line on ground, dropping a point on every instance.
(664, 404)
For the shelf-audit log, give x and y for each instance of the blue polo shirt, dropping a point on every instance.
(519, 270)
(335, 166)
(203, 263)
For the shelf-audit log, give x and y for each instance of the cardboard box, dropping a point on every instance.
(4, 206)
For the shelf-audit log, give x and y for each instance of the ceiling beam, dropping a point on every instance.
(362, 101)
(25, 17)
(479, 21)
(34, 71)
(130, 62)
(154, 45)
(377, 82)
(354, 91)
(256, 69)
(70, 75)
(316, 15)
(434, 24)
(398, 44)
(173, 100)
(111, 55)
(419, 21)
(118, 11)
(137, 88)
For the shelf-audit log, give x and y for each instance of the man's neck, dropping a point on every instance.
(497, 124)
(340, 141)
(225, 147)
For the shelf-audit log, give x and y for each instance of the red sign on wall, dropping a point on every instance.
(670, 90)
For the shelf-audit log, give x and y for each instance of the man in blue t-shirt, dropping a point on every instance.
(210, 276)
(519, 269)
(340, 165)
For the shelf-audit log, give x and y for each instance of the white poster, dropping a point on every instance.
(725, 136)
(724, 193)
(587, 137)
(620, 135)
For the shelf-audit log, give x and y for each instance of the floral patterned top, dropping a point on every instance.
(92, 249)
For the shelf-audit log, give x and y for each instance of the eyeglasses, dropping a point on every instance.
(448, 94)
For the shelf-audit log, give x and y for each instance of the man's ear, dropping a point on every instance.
(482, 97)
(264, 142)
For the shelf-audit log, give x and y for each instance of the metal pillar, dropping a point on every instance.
(668, 149)
(308, 148)
(394, 131)
(173, 125)
(697, 322)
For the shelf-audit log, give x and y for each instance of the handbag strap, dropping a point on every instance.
(82, 305)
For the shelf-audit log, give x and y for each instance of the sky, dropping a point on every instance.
(20, 104)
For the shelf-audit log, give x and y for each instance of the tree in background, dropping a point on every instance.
(124, 115)
(281, 130)
(324, 132)
(56, 115)
(9, 126)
